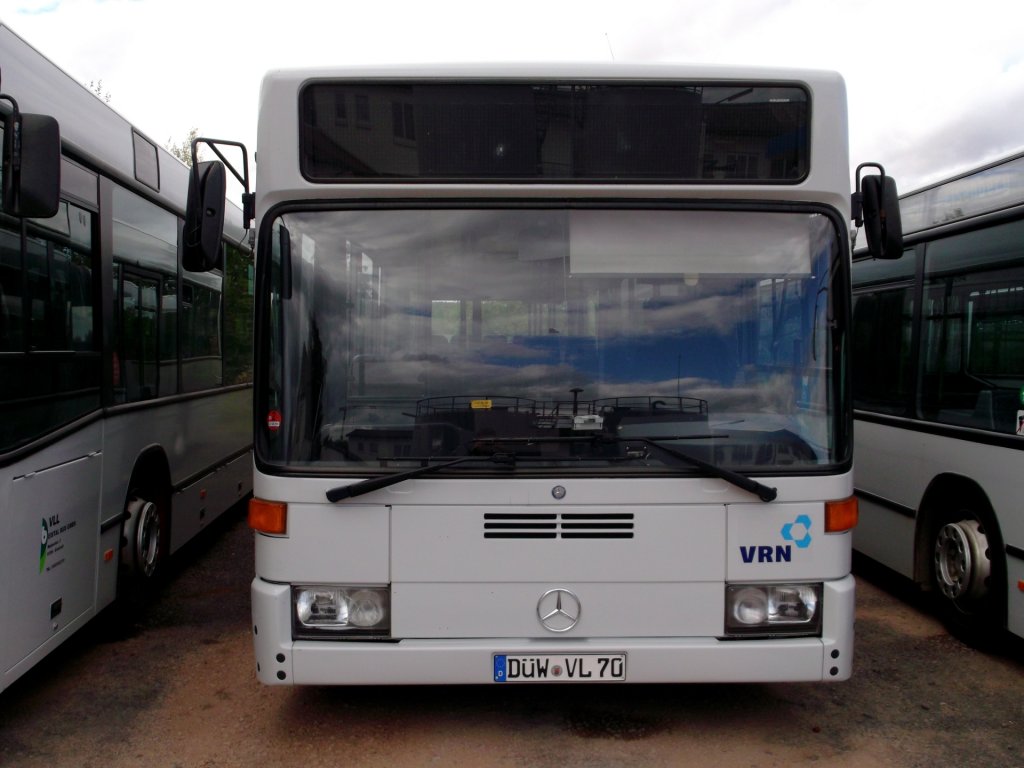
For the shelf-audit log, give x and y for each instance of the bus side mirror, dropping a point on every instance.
(204, 217)
(31, 166)
(876, 207)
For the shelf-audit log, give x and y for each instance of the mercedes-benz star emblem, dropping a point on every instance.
(558, 610)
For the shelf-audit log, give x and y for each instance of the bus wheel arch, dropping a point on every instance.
(959, 557)
(145, 539)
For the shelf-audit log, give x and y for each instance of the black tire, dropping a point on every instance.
(143, 546)
(968, 575)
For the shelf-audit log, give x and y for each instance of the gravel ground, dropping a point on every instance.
(176, 689)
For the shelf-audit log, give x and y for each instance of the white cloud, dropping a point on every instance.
(933, 86)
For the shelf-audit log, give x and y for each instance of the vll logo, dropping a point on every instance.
(798, 532)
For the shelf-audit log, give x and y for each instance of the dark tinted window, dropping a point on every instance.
(680, 132)
(137, 371)
(145, 240)
(883, 317)
(972, 340)
(200, 332)
(144, 233)
(873, 271)
(49, 359)
(882, 363)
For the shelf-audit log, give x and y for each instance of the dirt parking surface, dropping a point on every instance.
(178, 690)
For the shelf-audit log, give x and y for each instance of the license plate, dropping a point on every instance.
(559, 668)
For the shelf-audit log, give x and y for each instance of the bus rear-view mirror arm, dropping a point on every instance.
(875, 205)
(204, 210)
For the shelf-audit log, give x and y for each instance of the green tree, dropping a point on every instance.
(96, 86)
(183, 150)
(238, 297)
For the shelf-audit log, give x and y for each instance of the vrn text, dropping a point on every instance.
(780, 553)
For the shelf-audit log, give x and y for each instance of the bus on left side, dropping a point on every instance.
(125, 380)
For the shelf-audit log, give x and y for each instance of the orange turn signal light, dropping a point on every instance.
(841, 515)
(268, 516)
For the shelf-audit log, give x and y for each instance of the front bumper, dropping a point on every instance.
(282, 661)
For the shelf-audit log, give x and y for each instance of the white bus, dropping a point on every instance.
(939, 395)
(551, 378)
(125, 382)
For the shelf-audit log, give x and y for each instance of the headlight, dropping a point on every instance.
(773, 609)
(341, 611)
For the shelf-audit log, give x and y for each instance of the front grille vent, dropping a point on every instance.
(499, 525)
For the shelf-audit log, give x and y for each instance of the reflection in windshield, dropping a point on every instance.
(401, 335)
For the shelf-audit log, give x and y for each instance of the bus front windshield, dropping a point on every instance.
(565, 340)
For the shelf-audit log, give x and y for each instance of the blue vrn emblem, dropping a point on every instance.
(792, 531)
(798, 532)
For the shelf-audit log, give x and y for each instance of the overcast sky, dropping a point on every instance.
(934, 86)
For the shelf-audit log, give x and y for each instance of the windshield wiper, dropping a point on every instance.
(376, 483)
(762, 491)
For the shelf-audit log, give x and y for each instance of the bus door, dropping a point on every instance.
(139, 366)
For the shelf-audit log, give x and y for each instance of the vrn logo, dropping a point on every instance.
(798, 532)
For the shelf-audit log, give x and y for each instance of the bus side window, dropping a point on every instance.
(145, 237)
(973, 333)
(881, 349)
(201, 349)
(11, 320)
(48, 307)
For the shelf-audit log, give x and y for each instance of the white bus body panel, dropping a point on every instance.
(484, 609)
(199, 504)
(898, 465)
(458, 597)
(827, 182)
(885, 536)
(447, 544)
(83, 480)
(192, 434)
(48, 588)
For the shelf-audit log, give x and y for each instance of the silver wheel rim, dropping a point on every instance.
(962, 565)
(147, 535)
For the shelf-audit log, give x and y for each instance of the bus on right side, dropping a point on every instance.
(938, 382)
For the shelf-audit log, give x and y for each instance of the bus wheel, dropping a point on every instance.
(143, 537)
(965, 577)
(962, 564)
